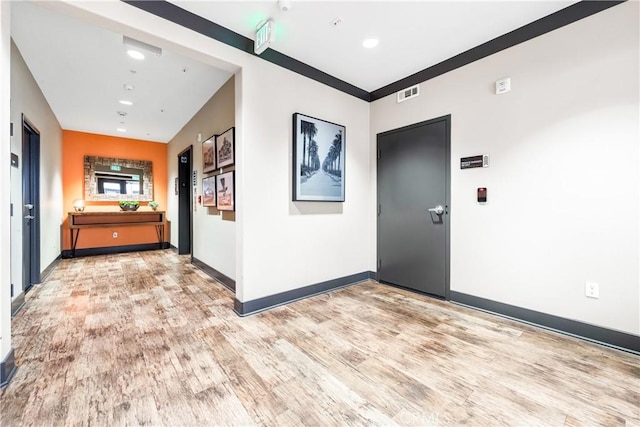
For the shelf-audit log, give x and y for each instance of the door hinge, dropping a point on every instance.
(12, 290)
(379, 209)
(379, 154)
(379, 264)
(10, 129)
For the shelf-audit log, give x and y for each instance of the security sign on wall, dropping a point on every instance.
(480, 161)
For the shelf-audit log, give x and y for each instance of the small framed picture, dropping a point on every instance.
(209, 191)
(225, 191)
(225, 148)
(208, 156)
(318, 160)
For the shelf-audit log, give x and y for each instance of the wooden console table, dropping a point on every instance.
(80, 220)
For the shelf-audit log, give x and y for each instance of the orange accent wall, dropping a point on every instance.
(76, 145)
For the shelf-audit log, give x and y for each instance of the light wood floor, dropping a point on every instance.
(148, 339)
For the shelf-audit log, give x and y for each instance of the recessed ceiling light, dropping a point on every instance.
(125, 102)
(135, 54)
(370, 43)
(137, 46)
(128, 87)
(121, 129)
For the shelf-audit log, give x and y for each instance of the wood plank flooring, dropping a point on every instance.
(148, 339)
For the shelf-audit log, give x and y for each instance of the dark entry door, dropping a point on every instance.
(413, 211)
(31, 206)
(184, 201)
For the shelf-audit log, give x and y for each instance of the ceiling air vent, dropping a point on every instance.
(410, 92)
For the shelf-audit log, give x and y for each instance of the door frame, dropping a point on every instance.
(447, 121)
(185, 214)
(32, 179)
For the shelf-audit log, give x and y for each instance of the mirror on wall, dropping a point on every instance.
(109, 178)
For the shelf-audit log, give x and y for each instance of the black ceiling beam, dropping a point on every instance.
(563, 17)
(173, 13)
(527, 32)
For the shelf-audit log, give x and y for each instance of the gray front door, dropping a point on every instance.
(413, 206)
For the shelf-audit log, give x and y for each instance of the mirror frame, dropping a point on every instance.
(91, 183)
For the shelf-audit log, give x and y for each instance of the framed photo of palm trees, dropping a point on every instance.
(318, 160)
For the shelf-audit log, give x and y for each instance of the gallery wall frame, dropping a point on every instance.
(319, 149)
(225, 191)
(208, 155)
(225, 148)
(209, 191)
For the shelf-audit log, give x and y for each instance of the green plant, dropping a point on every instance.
(129, 204)
(153, 204)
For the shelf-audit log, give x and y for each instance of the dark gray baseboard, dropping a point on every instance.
(255, 306)
(17, 304)
(47, 271)
(227, 281)
(108, 250)
(609, 337)
(7, 369)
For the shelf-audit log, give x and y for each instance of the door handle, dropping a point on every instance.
(29, 217)
(28, 206)
(439, 210)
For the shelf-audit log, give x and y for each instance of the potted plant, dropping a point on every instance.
(129, 205)
(153, 205)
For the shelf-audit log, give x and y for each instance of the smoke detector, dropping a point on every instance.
(284, 5)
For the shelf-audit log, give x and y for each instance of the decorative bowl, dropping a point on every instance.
(126, 205)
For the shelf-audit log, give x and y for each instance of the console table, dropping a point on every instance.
(80, 220)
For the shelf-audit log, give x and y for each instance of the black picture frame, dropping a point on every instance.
(319, 159)
(225, 191)
(208, 155)
(209, 195)
(225, 148)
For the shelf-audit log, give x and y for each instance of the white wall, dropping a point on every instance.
(214, 240)
(27, 99)
(5, 176)
(288, 245)
(280, 245)
(563, 180)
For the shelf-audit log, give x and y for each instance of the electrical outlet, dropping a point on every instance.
(115, 234)
(591, 290)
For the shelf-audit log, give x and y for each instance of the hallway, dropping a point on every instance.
(147, 338)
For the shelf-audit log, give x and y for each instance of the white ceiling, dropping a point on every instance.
(413, 35)
(81, 68)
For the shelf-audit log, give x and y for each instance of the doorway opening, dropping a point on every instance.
(30, 205)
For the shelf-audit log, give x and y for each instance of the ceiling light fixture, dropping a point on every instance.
(128, 87)
(135, 48)
(121, 129)
(370, 43)
(125, 102)
(135, 54)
